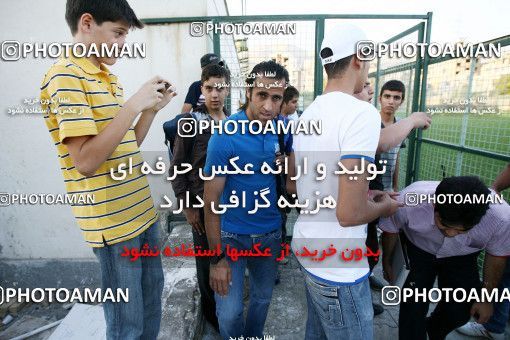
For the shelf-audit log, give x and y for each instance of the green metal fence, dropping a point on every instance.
(298, 52)
(469, 100)
(466, 142)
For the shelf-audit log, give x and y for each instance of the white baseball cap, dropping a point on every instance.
(342, 39)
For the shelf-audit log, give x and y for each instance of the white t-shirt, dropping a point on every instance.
(350, 129)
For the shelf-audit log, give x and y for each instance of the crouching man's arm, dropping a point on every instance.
(493, 268)
(391, 226)
(496, 252)
(389, 243)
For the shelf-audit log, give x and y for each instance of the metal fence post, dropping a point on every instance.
(423, 96)
(410, 170)
(216, 41)
(465, 118)
(318, 75)
(376, 85)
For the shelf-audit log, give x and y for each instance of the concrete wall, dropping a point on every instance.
(28, 157)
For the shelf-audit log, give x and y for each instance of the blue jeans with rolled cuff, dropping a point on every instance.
(140, 317)
(262, 274)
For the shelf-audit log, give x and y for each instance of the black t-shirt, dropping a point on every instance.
(194, 96)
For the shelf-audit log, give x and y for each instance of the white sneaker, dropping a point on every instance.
(476, 329)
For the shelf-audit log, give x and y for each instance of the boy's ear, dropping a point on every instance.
(85, 23)
(358, 64)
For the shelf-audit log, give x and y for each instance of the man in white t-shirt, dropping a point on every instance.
(338, 293)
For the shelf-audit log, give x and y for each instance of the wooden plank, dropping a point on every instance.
(83, 322)
(4, 308)
(16, 307)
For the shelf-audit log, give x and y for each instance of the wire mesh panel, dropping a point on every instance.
(469, 100)
(436, 162)
(234, 62)
(295, 51)
(488, 125)
(447, 84)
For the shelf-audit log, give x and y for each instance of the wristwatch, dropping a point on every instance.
(215, 259)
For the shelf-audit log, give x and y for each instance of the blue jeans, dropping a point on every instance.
(499, 319)
(140, 317)
(229, 308)
(338, 312)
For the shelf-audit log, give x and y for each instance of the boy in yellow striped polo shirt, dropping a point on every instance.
(92, 128)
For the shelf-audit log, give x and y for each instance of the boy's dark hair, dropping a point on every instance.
(289, 93)
(276, 70)
(466, 214)
(215, 71)
(394, 85)
(101, 11)
(269, 66)
(336, 68)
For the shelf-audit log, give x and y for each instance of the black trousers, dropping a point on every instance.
(202, 262)
(451, 272)
(372, 242)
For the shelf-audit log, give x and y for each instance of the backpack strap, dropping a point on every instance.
(281, 138)
(189, 142)
(281, 189)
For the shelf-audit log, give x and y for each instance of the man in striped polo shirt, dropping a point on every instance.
(93, 131)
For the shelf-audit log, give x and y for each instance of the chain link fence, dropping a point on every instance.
(468, 98)
(469, 101)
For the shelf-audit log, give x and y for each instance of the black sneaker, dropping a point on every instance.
(375, 283)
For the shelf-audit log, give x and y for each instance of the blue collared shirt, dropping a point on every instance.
(254, 149)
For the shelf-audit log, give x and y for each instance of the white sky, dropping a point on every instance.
(468, 20)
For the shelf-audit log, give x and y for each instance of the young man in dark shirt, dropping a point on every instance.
(390, 137)
(391, 98)
(193, 150)
(290, 103)
(195, 97)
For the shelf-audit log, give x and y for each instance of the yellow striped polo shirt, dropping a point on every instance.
(81, 99)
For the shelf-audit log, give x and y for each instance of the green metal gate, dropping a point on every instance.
(467, 144)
